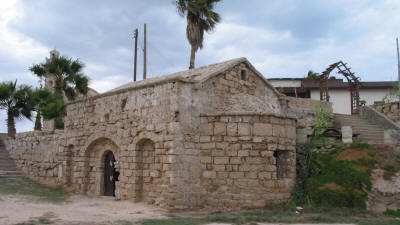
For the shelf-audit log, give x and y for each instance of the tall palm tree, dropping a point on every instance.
(46, 104)
(67, 74)
(200, 17)
(16, 101)
(68, 77)
(312, 75)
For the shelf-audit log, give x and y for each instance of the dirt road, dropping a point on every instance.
(77, 210)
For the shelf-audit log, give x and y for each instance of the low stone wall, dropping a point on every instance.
(303, 110)
(384, 194)
(391, 110)
(36, 153)
(246, 160)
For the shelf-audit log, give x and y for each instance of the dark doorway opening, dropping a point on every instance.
(110, 175)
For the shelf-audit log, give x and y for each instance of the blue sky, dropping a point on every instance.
(281, 38)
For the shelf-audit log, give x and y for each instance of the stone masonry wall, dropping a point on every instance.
(36, 153)
(391, 110)
(303, 110)
(246, 160)
(121, 123)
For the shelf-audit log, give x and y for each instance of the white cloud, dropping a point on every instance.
(15, 45)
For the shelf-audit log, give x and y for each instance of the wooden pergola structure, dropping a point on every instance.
(353, 81)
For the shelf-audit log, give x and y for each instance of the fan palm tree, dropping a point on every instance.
(68, 79)
(67, 74)
(17, 102)
(200, 17)
(312, 75)
(46, 104)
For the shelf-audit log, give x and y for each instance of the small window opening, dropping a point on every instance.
(107, 117)
(176, 117)
(123, 104)
(282, 163)
(243, 74)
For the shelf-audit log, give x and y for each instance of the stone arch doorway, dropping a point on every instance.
(110, 174)
(147, 170)
(95, 165)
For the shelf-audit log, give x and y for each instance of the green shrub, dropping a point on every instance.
(389, 168)
(391, 212)
(361, 145)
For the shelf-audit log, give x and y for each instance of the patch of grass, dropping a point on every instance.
(389, 168)
(25, 186)
(390, 171)
(395, 213)
(361, 145)
(358, 217)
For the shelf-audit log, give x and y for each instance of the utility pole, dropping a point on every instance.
(134, 68)
(144, 54)
(398, 65)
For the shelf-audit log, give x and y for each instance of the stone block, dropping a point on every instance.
(347, 134)
(262, 129)
(232, 129)
(220, 129)
(244, 129)
(221, 160)
(206, 159)
(206, 129)
(278, 131)
(210, 174)
(243, 153)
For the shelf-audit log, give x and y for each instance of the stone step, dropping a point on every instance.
(7, 165)
(11, 175)
(366, 130)
(9, 169)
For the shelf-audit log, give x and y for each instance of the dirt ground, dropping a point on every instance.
(78, 209)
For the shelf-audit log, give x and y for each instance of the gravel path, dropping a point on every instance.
(77, 210)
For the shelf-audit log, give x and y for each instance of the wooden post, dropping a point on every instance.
(135, 64)
(398, 65)
(144, 55)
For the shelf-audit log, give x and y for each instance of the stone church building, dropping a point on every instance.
(214, 137)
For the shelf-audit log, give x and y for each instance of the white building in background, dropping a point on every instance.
(339, 94)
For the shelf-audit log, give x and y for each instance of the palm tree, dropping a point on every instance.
(312, 75)
(68, 79)
(17, 103)
(67, 74)
(200, 17)
(46, 104)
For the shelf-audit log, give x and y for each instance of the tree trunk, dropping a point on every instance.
(38, 122)
(11, 125)
(192, 57)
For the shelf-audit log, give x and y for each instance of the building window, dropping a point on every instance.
(282, 163)
(243, 75)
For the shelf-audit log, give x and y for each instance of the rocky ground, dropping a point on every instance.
(77, 209)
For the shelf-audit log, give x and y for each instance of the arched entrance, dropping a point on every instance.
(354, 85)
(100, 159)
(110, 175)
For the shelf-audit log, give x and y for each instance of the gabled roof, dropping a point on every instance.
(199, 74)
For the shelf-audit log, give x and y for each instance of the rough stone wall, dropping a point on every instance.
(204, 180)
(238, 90)
(246, 160)
(36, 153)
(303, 110)
(385, 194)
(391, 110)
(121, 123)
